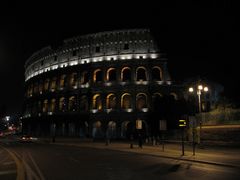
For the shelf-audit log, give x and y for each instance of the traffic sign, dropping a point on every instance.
(182, 123)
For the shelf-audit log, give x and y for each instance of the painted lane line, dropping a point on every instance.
(36, 167)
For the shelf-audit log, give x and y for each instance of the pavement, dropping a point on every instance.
(213, 155)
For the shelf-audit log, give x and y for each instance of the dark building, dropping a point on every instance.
(96, 85)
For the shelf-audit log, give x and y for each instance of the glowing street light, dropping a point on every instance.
(200, 88)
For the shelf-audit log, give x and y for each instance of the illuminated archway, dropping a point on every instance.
(141, 74)
(53, 84)
(46, 84)
(174, 95)
(98, 75)
(126, 101)
(111, 129)
(53, 105)
(62, 104)
(111, 74)
(45, 106)
(111, 101)
(72, 103)
(63, 81)
(126, 74)
(84, 77)
(97, 102)
(73, 80)
(141, 101)
(156, 73)
(97, 130)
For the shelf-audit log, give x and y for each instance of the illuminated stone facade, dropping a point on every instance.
(95, 85)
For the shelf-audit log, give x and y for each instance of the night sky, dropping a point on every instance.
(199, 39)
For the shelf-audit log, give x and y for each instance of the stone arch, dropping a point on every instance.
(111, 129)
(45, 106)
(63, 81)
(53, 105)
(141, 101)
(62, 104)
(111, 74)
(126, 74)
(174, 95)
(126, 101)
(97, 102)
(46, 85)
(141, 74)
(97, 130)
(127, 128)
(111, 101)
(53, 84)
(156, 73)
(73, 79)
(72, 103)
(98, 75)
(84, 77)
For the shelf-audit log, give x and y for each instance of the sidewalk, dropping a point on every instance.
(228, 157)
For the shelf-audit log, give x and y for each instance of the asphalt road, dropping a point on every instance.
(57, 162)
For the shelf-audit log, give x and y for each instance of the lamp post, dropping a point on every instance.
(200, 88)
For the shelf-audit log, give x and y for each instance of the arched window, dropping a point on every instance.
(73, 80)
(126, 101)
(84, 77)
(141, 101)
(46, 85)
(63, 81)
(39, 108)
(53, 84)
(62, 104)
(141, 74)
(72, 103)
(84, 103)
(156, 73)
(157, 101)
(97, 102)
(111, 101)
(45, 106)
(126, 74)
(98, 75)
(53, 105)
(111, 74)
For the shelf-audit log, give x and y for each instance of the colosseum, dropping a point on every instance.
(96, 85)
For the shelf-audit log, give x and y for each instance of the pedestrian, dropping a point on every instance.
(139, 140)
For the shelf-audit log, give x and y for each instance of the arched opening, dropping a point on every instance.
(127, 129)
(30, 90)
(84, 77)
(53, 84)
(73, 80)
(98, 75)
(97, 130)
(46, 85)
(53, 105)
(111, 74)
(174, 95)
(157, 101)
(126, 101)
(62, 104)
(63, 81)
(39, 106)
(84, 103)
(72, 103)
(97, 102)
(45, 106)
(111, 101)
(141, 74)
(156, 73)
(126, 74)
(141, 101)
(111, 130)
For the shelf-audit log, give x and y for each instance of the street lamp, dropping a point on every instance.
(200, 88)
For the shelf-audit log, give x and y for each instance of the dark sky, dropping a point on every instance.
(199, 39)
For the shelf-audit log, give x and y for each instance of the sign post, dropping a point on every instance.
(182, 124)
